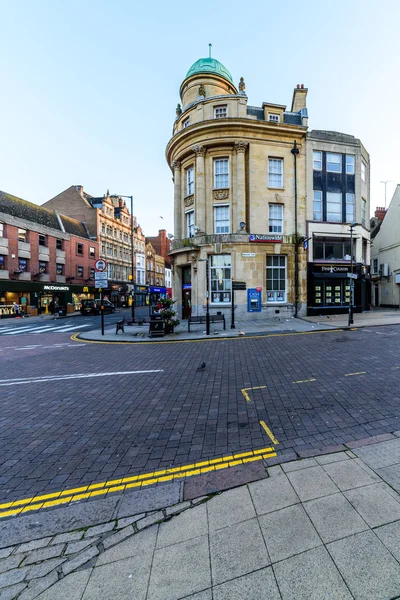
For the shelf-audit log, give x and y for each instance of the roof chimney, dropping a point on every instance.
(299, 98)
(380, 212)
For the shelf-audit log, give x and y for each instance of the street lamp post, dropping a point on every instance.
(132, 257)
(295, 152)
(351, 300)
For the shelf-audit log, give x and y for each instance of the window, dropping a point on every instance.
(220, 278)
(79, 249)
(220, 112)
(59, 269)
(374, 266)
(42, 266)
(275, 172)
(363, 171)
(103, 228)
(59, 244)
(363, 212)
(190, 224)
(273, 117)
(334, 207)
(42, 240)
(2, 262)
(22, 264)
(317, 206)
(221, 219)
(1, 229)
(22, 235)
(276, 278)
(350, 208)
(350, 164)
(186, 123)
(221, 173)
(79, 271)
(317, 160)
(92, 252)
(103, 247)
(189, 181)
(333, 163)
(91, 272)
(331, 250)
(275, 217)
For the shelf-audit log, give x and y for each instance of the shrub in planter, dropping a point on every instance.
(170, 315)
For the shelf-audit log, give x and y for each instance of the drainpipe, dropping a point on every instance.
(295, 152)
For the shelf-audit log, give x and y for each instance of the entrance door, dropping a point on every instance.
(186, 292)
(376, 295)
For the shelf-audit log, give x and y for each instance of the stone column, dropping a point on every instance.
(177, 200)
(240, 148)
(200, 187)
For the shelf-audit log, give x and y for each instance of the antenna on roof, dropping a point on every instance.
(209, 49)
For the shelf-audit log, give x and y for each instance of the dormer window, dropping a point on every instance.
(186, 123)
(273, 117)
(220, 112)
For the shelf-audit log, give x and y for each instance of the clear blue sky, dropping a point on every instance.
(89, 88)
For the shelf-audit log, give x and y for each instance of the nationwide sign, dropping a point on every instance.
(265, 239)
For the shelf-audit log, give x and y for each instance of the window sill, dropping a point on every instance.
(270, 187)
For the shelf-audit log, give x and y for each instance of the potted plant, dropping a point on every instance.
(169, 314)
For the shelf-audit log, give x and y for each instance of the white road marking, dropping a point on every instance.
(29, 330)
(70, 328)
(22, 380)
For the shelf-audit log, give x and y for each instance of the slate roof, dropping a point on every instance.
(254, 111)
(22, 209)
(292, 118)
(74, 227)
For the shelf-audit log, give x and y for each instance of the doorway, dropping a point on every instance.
(376, 295)
(186, 292)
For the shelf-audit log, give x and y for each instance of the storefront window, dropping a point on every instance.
(220, 278)
(276, 278)
(331, 292)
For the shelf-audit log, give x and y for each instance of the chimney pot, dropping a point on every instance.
(302, 86)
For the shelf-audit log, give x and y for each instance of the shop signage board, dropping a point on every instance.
(100, 265)
(239, 285)
(265, 239)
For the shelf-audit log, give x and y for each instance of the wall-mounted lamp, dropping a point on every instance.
(242, 226)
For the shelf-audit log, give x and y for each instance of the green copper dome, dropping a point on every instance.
(209, 65)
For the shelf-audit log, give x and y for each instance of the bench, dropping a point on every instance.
(120, 325)
(202, 320)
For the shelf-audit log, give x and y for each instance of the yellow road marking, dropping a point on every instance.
(358, 373)
(304, 380)
(269, 432)
(245, 394)
(64, 500)
(137, 481)
(245, 390)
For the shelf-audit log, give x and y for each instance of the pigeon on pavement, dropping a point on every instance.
(202, 366)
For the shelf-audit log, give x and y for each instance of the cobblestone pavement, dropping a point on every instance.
(313, 529)
(312, 390)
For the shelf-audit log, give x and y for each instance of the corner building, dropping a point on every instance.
(236, 198)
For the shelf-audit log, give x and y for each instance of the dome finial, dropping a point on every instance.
(209, 50)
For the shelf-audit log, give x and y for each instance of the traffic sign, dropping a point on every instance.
(100, 265)
(100, 280)
(352, 275)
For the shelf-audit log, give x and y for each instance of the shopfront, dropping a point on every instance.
(329, 287)
(41, 298)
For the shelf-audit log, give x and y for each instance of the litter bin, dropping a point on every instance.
(62, 311)
(156, 327)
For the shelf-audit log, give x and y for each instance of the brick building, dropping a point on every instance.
(162, 245)
(46, 259)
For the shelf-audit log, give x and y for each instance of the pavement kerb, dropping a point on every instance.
(91, 541)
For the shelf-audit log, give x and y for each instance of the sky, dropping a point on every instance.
(88, 88)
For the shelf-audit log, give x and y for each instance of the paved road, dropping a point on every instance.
(64, 423)
(13, 327)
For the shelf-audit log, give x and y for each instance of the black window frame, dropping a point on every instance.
(79, 246)
(42, 240)
(59, 244)
(80, 270)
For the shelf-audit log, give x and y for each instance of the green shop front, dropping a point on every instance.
(41, 298)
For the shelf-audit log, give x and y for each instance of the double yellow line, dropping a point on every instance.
(16, 507)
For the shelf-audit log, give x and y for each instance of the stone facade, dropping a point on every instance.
(235, 196)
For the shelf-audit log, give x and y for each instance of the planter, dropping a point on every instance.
(168, 329)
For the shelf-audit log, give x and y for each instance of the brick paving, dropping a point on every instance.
(56, 435)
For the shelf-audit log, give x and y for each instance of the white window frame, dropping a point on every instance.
(221, 180)
(350, 201)
(329, 201)
(190, 181)
(189, 223)
(186, 123)
(363, 212)
(329, 169)
(221, 111)
(1, 230)
(275, 218)
(222, 295)
(318, 209)
(274, 172)
(276, 287)
(317, 160)
(274, 118)
(222, 223)
(351, 165)
(363, 171)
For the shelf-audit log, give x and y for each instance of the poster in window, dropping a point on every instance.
(328, 300)
(318, 301)
(227, 297)
(318, 295)
(328, 287)
(347, 288)
(280, 296)
(270, 295)
(337, 287)
(317, 288)
(337, 300)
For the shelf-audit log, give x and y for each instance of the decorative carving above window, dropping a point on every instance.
(189, 200)
(221, 194)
